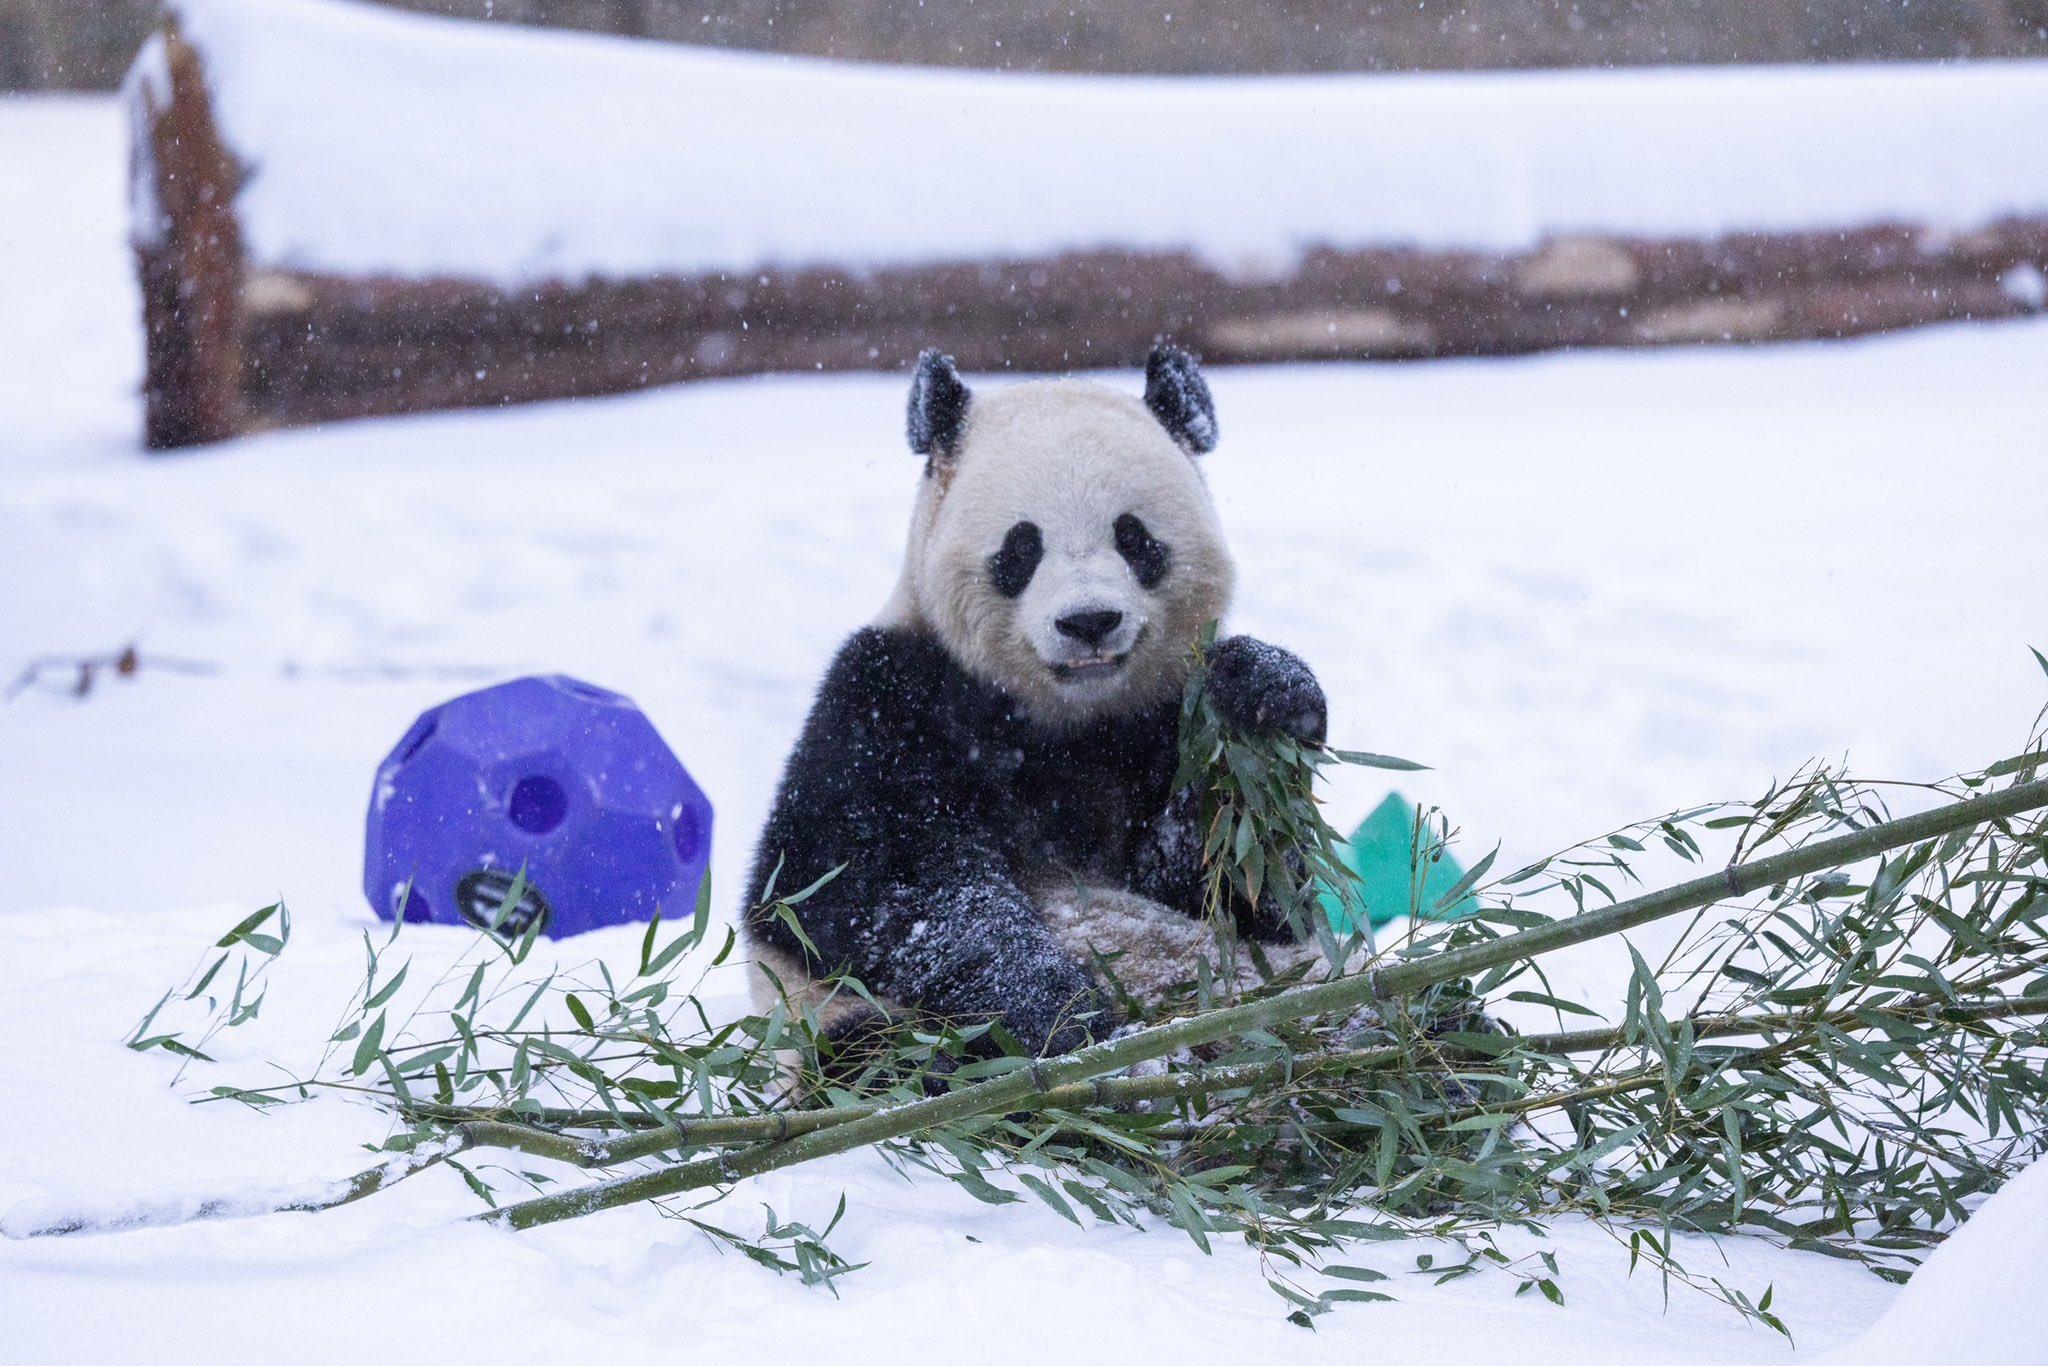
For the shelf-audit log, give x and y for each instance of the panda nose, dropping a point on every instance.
(1090, 628)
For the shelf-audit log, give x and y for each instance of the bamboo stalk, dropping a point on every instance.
(1190, 1082)
(473, 1133)
(1016, 1090)
(659, 1136)
(1334, 1128)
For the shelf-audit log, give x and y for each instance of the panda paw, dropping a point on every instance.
(1264, 689)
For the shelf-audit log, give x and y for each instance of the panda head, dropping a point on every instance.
(1064, 547)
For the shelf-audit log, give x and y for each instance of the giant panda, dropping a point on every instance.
(991, 760)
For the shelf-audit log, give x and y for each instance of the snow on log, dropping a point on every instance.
(343, 211)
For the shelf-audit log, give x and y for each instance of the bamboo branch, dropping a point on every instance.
(31, 1221)
(1015, 1090)
(659, 1135)
(1188, 1083)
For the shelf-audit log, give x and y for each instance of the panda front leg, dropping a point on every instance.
(967, 947)
(1260, 689)
(1265, 690)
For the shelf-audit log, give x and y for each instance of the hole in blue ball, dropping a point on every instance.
(591, 691)
(421, 732)
(538, 804)
(688, 836)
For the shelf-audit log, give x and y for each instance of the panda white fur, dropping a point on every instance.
(991, 760)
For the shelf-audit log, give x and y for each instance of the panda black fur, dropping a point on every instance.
(992, 760)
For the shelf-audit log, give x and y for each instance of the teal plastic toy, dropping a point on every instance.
(1381, 855)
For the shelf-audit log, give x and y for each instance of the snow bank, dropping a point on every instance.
(55, 1216)
(385, 143)
(1979, 1297)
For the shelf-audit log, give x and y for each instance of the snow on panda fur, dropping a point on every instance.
(992, 759)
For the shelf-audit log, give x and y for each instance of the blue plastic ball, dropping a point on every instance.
(552, 776)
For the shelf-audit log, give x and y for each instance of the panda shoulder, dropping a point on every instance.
(883, 668)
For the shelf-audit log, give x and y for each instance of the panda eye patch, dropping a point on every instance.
(1010, 569)
(1147, 556)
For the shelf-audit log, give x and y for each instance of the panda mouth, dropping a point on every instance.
(1099, 666)
(1095, 666)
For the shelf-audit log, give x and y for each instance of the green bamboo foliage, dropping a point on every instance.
(1836, 1045)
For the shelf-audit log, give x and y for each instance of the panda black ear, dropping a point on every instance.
(938, 404)
(1179, 397)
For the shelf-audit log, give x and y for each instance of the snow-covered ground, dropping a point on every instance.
(1583, 588)
(391, 143)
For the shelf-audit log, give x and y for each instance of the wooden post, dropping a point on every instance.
(188, 250)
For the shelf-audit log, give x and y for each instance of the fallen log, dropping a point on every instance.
(275, 294)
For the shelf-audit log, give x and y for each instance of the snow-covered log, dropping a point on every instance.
(343, 211)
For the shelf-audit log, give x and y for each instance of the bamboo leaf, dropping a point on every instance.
(368, 1047)
(1362, 759)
